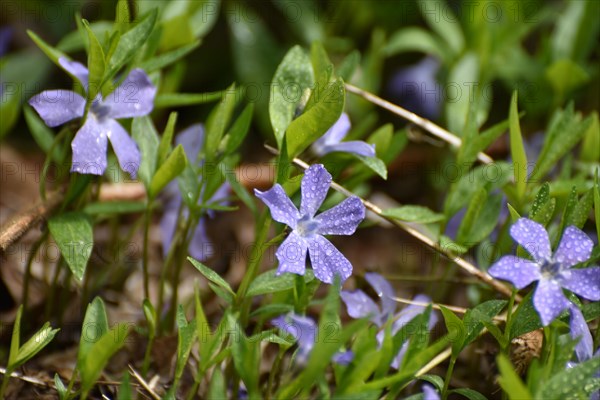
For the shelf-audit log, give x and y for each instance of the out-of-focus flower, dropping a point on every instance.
(332, 141)
(553, 272)
(200, 246)
(305, 332)
(360, 305)
(308, 229)
(133, 98)
(417, 89)
(429, 393)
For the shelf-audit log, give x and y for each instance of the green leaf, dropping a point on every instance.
(96, 63)
(75, 41)
(444, 24)
(590, 148)
(456, 330)
(99, 354)
(219, 120)
(125, 388)
(146, 137)
(95, 324)
(166, 100)
(164, 60)
(514, 214)
(541, 198)
(461, 91)
(582, 210)
(375, 164)
(416, 39)
(15, 340)
(348, 66)
(510, 381)
(475, 206)
(164, 148)
(476, 318)
(597, 205)
(75, 238)
(52, 53)
(122, 16)
(35, 344)
(565, 130)
(525, 319)
(130, 42)
(319, 59)
(186, 335)
(293, 77)
(246, 357)
(413, 214)
(571, 381)
(238, 131)
(211, 275)
(576, 29)
(60, 387)
(565, 75)
(216, 388)
(172, 167)
(517, 149)
(270, 282)
(469, 393)
(327, 106)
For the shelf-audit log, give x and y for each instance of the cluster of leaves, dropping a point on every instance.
(560, 191)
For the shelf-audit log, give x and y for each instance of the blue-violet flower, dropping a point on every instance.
(308, 229)
(553, 272)
(332, 141)
(133, 98)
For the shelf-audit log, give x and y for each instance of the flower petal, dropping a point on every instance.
(410, 312)
(575, 247)
(292, 255)
(168, 222)
(516, 270)
(201, 248)
(76, 70)
(585, 282)
(282, 208)
(192, 140)
(56, 107)
(354, 146)
(343, 358)
(429, 393)
(397, 361)
(533, 237)
(315, 185)
(303, 329)
(133, 98)
(359, 305)
(385, 291)
(89, 148)
(335, 134)
(549, 300)
(124, 146)
(327, 261)
(581, 330)
(342, 219)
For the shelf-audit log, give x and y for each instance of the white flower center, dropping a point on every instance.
(307, 226)
(550, 269)
(99, 110)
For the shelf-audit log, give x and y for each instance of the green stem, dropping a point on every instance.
(508, 326)
(147, 215)
(51, 295)
(448, 377)
(5, 379)
(147, 354)
(34, 249)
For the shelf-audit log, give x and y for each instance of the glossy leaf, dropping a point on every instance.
(413, 214)
(75, 238)
(169, 170)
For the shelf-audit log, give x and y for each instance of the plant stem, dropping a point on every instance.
(147, 215)
(7, 373)
(448, 377)
(34, 249)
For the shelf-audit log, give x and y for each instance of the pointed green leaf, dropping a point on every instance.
(327, 106)
(164, 148)
(52, 53)
(510, 381)
(95, 324)
(165, 59)
(165, 100)
(122, 16)
(517, 149)
(211, 275)
(172, 167)
(42, 135)
(238, 131)
(270, 282)
(292, 78)
(186, 335)
(456, 330)
(145, 135)
(572, 382)
(413, 214)
(96, 63)
(75, 238)
(35, 344)
(444, 24)
(219, 120)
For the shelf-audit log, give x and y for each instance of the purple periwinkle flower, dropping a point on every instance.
(360, 305)
(580, 330)
(133, 98)
(332, 141)
(200, 246)
(308, 229)
(553, 272)
(429, 393)
(305, 332)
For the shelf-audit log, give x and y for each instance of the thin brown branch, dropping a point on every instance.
(429, 126)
